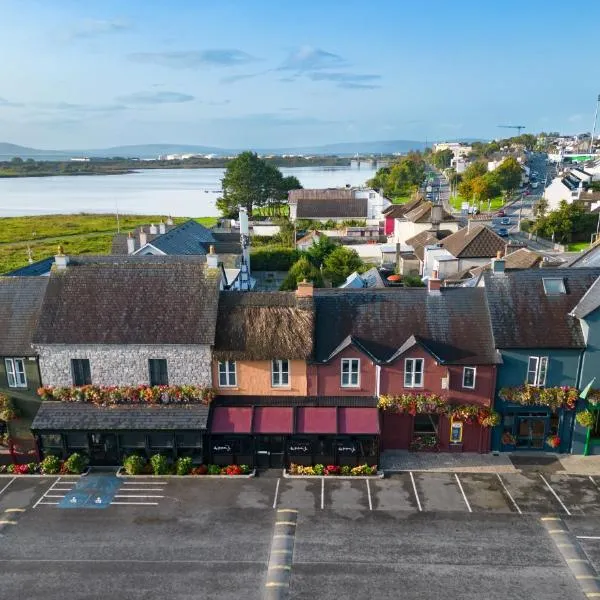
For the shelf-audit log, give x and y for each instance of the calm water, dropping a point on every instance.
(176, 192)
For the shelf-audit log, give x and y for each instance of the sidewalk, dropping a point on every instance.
(395, 461)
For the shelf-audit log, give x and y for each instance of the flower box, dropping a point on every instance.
(121, 473)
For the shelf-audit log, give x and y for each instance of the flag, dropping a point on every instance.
(586, 390)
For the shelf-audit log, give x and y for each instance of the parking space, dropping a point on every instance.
(22, 492)
(395, 494)
(55, 491)
(440, 492)
(531, 494)
(486, 493)
(345, 495)
(579, 494)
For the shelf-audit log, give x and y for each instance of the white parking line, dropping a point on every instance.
(588, 537)
(555, 495)
(50, 489)
(412, 478)
(276, 493)
(6, 486)
(509, 494)
(463, 492)
(593, 481)
(135, 503)
(136, 496)
(369, 494)
(322, 493)
(144, 483)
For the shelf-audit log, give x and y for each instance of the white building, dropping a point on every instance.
(424, 217)
(457, 148)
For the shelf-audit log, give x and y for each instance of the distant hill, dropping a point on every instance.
(11, 150)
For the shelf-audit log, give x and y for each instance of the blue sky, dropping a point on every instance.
(260, 73)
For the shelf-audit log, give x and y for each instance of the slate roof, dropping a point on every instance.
(478, 242)
(264, 326)
(188, 238)
(422, 214)
(453, 324)
(150, 301)
(590, 301)
(79, 416)
(396, 211)
(40, 267)
(20, 304)
(328, 203)
(524, 316)
(426, 238)
(589, 258)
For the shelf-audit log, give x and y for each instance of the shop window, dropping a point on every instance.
(413, 372)
(78, 439)
(536, 370)
(135, 439)
(81, 372)
(350, 372)
(51, 440)
(158, 371)
(227, 373)
(15, 372)
(161, 440)
(189, 440)
(469, 374)
(426, 423)
(280, 373)
(368, 447)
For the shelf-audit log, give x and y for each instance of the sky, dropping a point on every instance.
(277, 73)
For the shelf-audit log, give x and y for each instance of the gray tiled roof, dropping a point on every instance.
(524, 316)
(20, 303)
(590, 301)
(40, 267)
(188, 238)
(78, 416)
(131, 302)
(477, 241)
(453, 324)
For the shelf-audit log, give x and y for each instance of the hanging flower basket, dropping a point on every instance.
(552, 397)
(553, 441)
(585, 418)
(508, 439)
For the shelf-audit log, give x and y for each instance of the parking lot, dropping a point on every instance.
(412, 535)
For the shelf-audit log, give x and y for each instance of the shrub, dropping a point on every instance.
(318, 469)
(8, 412)
(274, 259)
(184, 465)
(201, 470)
(76, 463)
(50, 465)
(245, 469)
(134, 464)
(345, 470)
(160, 464)
(214, 470)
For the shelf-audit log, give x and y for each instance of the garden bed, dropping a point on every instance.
(122, 473)
(332, 472)
(74, 466)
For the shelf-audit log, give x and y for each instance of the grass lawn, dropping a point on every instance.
(578, 246)
(496, 204)
(401, 199)
(78, 234)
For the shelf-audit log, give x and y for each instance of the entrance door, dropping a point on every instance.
(103, 449)
(531, 432)
(270, 451)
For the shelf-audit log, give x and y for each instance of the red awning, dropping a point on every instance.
(358, 420)
(228, 419)
(310, 419)
(273, 419)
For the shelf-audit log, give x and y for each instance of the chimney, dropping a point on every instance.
(162, 228)
(130, 243)
(305, 289)
(436, 214)
(143, 237)
(498, 264)
(153, 229)
(434, 284)
(212, 258)
(60, 260)
(170, 220)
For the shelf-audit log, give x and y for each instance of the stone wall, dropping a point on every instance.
(126, 364)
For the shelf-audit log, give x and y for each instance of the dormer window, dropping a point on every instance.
(554, 286)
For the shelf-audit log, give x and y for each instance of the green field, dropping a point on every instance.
(578, 246)
(496, 203)
(78, 234)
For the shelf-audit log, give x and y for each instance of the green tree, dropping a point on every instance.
(508, 174)
(402, 177)
(302, 270)
(540, 208)
(320, 250)
(442, 158)
(341, 263)
(570, 222)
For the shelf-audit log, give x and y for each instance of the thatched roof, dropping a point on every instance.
(264, 326)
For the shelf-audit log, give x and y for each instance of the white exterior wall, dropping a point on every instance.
(267, 230)
(404, 230)
(376, 203)
(467, 263)
(127, 364)
(556, 192)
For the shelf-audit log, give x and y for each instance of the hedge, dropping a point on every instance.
(273, 259)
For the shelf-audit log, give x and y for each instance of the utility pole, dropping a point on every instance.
(594, 126)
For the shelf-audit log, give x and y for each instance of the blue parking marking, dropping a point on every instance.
(92, 491)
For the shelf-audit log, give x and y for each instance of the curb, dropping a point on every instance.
(121, 474)
(19, 476)
(380, 475)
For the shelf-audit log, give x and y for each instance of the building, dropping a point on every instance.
(458, 149)
(567, 187)
(423, 217)
(397, 211)
(337, 204)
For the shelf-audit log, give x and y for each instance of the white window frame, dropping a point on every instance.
(469, 387)
(351, 362)
(16, 377)
(229, 370)
(409, 373)
(537, 368)
(278, 372)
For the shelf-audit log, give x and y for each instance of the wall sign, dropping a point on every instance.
(456, 432)
(299, 448)
(346, 449)
(222, 449)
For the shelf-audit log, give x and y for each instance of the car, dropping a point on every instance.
(502, 231)
(501, 213)
(527, 192)
(534, 185)
(505, 221)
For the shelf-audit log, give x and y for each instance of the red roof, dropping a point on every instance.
(228, 419)
(358, 420)
(273, 419)
(311, 419)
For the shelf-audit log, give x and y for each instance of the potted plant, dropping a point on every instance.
(508, 439)
(553, 441)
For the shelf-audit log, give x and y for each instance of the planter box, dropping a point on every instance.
(379, 475)
(4, 475)
(121, 473)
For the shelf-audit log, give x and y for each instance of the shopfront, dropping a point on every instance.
(275, 436)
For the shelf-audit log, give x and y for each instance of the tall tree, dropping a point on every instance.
(302, 270)
(442, 158)
(508, 174)
(341, 263)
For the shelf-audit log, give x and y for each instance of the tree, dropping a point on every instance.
(341, 263)
(302, 270)
(320, 250)
(402, 177)
(508, 174)
(540, 208)
(570, 222)
(442, 158)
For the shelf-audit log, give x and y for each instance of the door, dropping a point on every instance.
(103, 449)
(270, 451)
(531, 432)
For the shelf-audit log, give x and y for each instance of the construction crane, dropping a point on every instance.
(517, 127)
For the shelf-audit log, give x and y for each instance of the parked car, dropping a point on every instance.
(502, 231)
(534, 185)
(505, 221)
(501, 213)
(528, 192)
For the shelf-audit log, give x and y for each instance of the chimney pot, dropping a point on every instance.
(130, 243)
(434, 285)
(61, 260)
(162, 228)
(170, 221)
(212, 258)
(153, 229)
(305, 289)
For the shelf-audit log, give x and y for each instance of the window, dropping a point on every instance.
(77, 440)
(469, 377)
(536, 370)
(413, 372)
(160, 440)
(426, 423)
(280, 373)
(158, 371)
(227, 376)
(133, 439)
(15, 372)
(350, 372)
(554, 286)
(80, 369)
